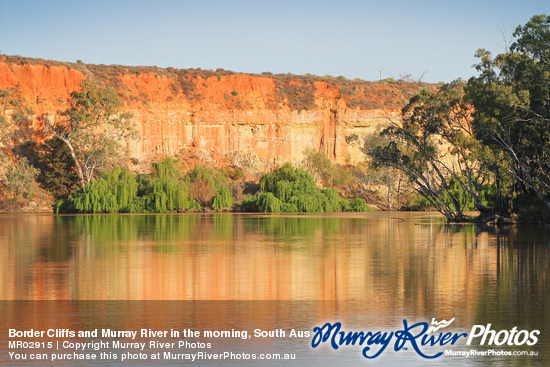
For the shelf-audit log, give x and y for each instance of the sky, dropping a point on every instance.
(429, 40)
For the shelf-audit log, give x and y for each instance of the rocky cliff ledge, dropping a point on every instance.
(261, 119)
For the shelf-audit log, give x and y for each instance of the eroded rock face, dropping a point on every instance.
(263, 120)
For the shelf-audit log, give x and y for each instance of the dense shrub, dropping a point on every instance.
(113, 192)
(210, 187)
(121, 191)
(358, 205)
(222, 199)
(20, 177)
(487, 194)
(166, 189)
(169, 192)
(323, 170)
(287, 189)
(290, 189)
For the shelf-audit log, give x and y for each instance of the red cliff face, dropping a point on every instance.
(256, 120)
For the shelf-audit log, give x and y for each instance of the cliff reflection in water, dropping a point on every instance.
(412, 262)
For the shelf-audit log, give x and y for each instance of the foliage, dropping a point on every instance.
(511, 98)
(13, 112)
(480, 143)
(264, 202)
(206, 184)
(57, 172)
(417, 202)
(117, 190)
(290, 189)
(91, 128)
(166, 189)
(358, 205)
(322, 169)
(392, 178)
(114, 191)
(530, 208)
(222, 199)
(464, 199)
(435, 148)
(20, 178)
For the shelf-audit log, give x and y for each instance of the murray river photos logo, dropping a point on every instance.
(419, 336)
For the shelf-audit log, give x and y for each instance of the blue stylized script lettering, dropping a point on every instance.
(415, 335)
(322, 335)
(339, 338)
(378, 338)
(442, 339)
(405, 335)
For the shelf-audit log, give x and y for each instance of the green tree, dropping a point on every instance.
(290, 189)
(511, 100)
(165, 189)
(211, 187)
(92, 128)
(57, 171)
(487, 139)
(222, 199)
(393, 179)
(435, 147)
(113, 191)
(323, 170)
(118, 190)
(20, 178)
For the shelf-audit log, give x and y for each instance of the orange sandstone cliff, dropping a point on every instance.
(257, 120)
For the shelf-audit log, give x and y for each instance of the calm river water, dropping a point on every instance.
(244, 272)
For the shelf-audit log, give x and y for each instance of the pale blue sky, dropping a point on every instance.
(340, 37)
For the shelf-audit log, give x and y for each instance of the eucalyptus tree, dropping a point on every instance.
(489, 134)
(92, 128)
(511, 104)
(434, 146)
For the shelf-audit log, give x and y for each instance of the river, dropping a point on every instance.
(261, 283)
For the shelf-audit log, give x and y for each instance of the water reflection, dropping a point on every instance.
(409, 261)
(376, 266)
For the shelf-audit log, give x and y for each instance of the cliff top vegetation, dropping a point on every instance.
(298, 92)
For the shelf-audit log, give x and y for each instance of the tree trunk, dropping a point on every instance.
(76, 163)
(67, 142)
